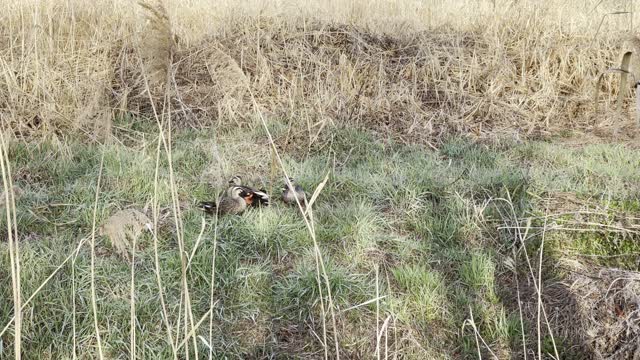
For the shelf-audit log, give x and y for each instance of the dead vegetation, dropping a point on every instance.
(502, 74)
(415, 87)
(123, 230)
(599, 310)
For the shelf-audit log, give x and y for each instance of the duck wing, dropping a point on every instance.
(261, 198)
(208, 207)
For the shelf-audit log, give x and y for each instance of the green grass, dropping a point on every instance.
(427, 220)
(425, 293)
(478, 273)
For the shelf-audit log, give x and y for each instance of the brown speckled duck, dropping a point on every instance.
(233, 202)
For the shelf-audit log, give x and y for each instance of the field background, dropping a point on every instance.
(472, 199)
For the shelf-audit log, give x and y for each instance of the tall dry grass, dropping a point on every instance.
(414, 70)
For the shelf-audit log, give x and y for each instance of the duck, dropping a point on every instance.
(255, 198)
(234, 202)
(289, 194)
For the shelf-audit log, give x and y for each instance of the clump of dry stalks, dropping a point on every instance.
(514, 72)
(156, 43)
(123, 230)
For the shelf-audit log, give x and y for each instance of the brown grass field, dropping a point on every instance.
(471, 168)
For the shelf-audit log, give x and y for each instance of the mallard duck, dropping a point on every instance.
(233, 202)
(255, 197)
(289, 194)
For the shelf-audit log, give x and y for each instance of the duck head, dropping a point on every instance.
(286, 185)
(236, 180)
(238, 192)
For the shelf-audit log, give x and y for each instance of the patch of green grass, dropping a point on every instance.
(470, 154)
(427, 220)
(354, 228)
(609, 249)
(274, 231)
(441, 223)
(591, 170)
(356, 144)
(425, 291)
(298, 294)
(479, 273)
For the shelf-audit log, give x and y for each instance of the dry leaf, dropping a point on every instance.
(123, 228)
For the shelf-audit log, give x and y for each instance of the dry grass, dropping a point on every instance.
(412, 70)
(601, 304)
(12, 237)
(123, 229)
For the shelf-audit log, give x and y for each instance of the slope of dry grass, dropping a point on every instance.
(414, 71)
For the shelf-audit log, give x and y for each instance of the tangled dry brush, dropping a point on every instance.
(521, 70)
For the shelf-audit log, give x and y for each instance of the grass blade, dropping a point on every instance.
(94, 305)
